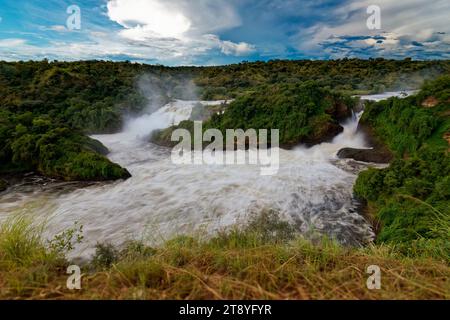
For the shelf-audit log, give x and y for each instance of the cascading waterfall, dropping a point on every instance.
(313, 190)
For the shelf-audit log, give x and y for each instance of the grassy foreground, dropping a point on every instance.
(264, 260)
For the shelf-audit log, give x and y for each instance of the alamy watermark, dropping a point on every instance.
(74, 20)
(74, 280)
(239, 148)
(374, 20)
(374, 280)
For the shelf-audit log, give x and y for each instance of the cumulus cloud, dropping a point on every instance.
(148, 19)
(104, 47)
(239, 49)
(155, 31)
(173, 18)
(231, 48)
(188, 24)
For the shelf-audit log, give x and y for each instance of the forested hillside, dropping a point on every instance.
(47, 108)
(347, 75)
(411, 198)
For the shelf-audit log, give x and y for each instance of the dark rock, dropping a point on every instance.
(126, 174)
(342, 112)
(379, 153)
(359, 106)
(3, 185)
(339, 110)
(325, 134)
(365, 155)
(374, 141)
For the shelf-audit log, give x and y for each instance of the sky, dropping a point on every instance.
(215, 32)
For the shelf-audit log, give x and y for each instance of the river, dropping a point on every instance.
(313, 190)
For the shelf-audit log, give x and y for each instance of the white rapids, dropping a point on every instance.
(313, 190)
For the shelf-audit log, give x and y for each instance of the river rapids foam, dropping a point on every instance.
(313, 190)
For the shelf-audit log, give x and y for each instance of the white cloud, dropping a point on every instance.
(181, 27)
(238, 49)
(402, 23)
(187, 21)
(8, 43)
(168, 32)
(148, 18)
(191, 31)
(108, 46)
(59, 28)
(173, 18)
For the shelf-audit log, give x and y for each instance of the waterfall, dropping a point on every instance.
(313, 190)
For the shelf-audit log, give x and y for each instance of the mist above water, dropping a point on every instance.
(171, 114)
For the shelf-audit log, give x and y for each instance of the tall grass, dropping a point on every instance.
(264, 260)
(21, 243)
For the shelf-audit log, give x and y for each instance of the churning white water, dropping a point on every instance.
(313, 190)
(387, 95)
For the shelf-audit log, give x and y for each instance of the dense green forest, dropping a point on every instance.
(47, 108)
(411, 198)
(347, 75)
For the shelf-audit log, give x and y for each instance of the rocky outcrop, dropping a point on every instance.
(359, 106)
(163, 137)
(326, 133)
(339, 110)
(430, 102)
(379, 153)
(365, 155)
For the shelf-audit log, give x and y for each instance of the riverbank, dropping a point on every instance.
(264, 260)
(410, 198)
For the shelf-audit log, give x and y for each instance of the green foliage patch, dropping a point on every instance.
(412, 196)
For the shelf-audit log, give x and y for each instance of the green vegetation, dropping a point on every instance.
(264, 260)
(87, 95)
(37, 143)
(411, 198)
(347, 75)
(164, 137)
(303, 112)
(26, 258)
(59, 102)
(47, 108)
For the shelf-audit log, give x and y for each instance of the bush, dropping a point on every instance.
(411, 196)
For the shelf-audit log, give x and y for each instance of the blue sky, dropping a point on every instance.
(211, 32)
